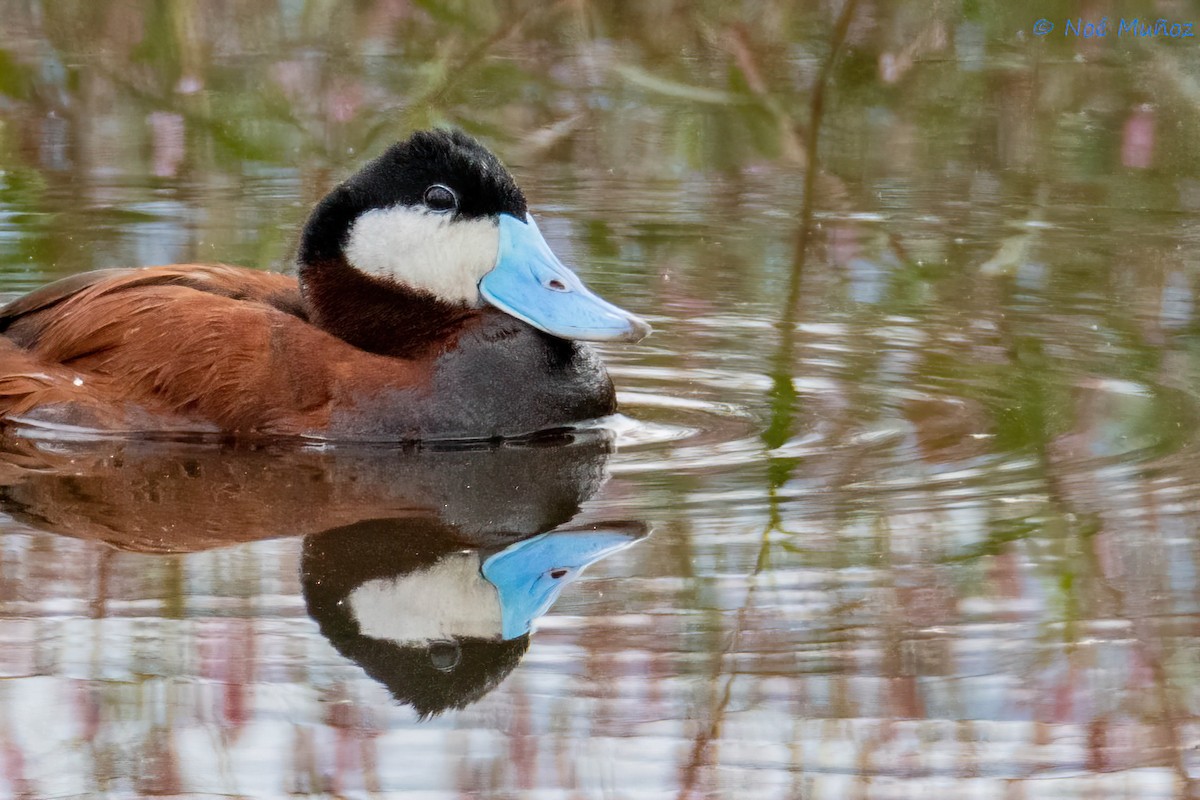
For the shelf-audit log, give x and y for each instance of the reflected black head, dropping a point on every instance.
(420, 677)
(401, 177)
(432, 679)
(514, 492)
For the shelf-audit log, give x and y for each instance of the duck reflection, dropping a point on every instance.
(427, 567)
(436, 615)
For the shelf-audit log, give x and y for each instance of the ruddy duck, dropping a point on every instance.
(427, 305)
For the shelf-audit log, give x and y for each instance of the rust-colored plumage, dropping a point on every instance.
(182, 348)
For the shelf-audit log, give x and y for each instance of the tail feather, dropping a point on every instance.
(27, 382)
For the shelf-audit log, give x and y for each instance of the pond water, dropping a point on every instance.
(903, 499)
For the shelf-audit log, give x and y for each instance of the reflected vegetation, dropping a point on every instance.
(916, 430)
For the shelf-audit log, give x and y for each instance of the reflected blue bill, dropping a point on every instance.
(530, 574)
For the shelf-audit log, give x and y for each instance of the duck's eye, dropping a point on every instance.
(444, 656)
(441, 198)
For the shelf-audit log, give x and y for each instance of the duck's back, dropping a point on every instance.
(223, 349)
(177, 348)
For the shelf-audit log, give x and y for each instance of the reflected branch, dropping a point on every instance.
(783, 391)
(783, 397)
(816, 113)
(702, 744)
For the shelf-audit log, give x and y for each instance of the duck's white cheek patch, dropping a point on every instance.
(447, 600)
(425, 250)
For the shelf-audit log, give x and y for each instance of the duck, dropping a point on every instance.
(425, 305)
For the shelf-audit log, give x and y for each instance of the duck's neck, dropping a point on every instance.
(374, 314)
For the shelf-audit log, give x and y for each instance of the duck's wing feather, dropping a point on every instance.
(19, 319)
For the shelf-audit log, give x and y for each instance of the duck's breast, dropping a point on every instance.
(499, 378)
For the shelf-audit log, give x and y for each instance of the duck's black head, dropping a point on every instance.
(428, 233)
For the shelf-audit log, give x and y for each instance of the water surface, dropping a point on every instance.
(902, 501)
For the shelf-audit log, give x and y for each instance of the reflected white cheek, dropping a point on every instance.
(424, 250)
(447, 600)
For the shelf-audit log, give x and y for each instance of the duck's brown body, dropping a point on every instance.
(182, 349)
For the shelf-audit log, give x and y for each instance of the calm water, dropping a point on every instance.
(903, 501)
